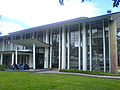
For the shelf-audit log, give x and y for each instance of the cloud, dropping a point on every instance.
(7, 27)
(39, 12)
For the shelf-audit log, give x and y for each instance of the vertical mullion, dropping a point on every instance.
(90, 33)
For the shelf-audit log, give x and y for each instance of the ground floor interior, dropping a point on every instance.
(27, 58)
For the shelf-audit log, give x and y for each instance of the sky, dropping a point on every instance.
(22, 14)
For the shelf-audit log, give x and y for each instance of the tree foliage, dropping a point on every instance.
(115, 2)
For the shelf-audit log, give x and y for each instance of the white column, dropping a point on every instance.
(33, 56)
(30, 61)
(59, 48)
(3, 46)
(84, 48)
(1, 59)
(79, 47)
(90, 34)
(33, 35)
(68, 52)
(44, 34)
(16, 55)
(46, 58)
(51, 49)
(104, 55)
(11, 46)
(46, 50)
(12, 59)
(63, 48)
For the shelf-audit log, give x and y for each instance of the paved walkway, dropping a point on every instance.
(118, 70)
(99, 76)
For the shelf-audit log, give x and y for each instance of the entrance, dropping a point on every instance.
(7, 59)
(39, 60)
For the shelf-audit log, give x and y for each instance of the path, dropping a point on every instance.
(99, 76)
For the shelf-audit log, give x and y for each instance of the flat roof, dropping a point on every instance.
(13, 51)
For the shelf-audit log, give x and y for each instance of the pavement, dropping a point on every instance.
(81, 74)
(118, 70)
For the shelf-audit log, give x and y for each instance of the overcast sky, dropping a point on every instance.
(22, 14)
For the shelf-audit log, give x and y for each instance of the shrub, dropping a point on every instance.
(89, 72)
(3, 67)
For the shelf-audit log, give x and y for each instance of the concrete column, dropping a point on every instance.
(16, 55)
(79, 47)
(104, 55)
(46, 50)
(44, 34)
(84, 48)
(30, 60)
(63, 48)
(3, 46)
(59, 48)
(68, 50)
(90, 39)
(113, 47)
(51, 49)
(1, 59)
(11, 46)
(33, 35)
(34, 56)
(46, 57)
(12, 59)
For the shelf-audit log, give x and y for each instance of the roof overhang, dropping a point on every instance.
(7, 52)
(30, 42)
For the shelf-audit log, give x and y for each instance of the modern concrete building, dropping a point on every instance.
(82, 43)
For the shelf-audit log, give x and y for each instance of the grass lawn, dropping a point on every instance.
(37, 81)
(119, 68)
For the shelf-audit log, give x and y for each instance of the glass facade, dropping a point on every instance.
(55, 48)
(97, 45)
(74, 45)
(88, 31)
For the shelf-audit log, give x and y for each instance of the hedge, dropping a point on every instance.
(89, 72)
(3, 67)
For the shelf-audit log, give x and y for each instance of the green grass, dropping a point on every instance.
(119, 68)
(90, 72)
(37, 81)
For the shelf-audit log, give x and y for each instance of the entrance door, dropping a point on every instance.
(39, 60)
(7, 59)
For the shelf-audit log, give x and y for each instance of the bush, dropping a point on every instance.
(90, 72)
(3, 67)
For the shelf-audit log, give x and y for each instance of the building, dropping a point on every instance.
(82, 43)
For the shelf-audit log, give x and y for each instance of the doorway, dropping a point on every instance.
(39, 60)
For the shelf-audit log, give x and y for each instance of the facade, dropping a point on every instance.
(81, 43)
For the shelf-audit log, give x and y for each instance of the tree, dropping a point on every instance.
(115, 2)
